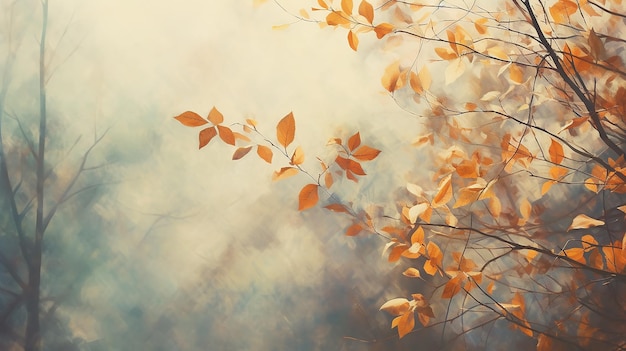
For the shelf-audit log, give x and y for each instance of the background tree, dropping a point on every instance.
(519, 220)
(40, 175)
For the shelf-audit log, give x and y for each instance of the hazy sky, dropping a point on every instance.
(209, 245)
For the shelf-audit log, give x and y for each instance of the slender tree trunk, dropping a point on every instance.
(33, 328)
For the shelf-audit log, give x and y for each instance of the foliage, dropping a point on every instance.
(528, 114)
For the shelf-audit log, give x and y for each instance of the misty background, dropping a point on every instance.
(179, 249)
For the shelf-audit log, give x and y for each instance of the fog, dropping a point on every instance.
(177, 248)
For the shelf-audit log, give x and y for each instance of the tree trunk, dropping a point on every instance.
(33, 332)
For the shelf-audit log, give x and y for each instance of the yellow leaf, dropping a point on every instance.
(454, 70)
(444, 192)
(206, 135)
(241, 152)
(561, 10)
(226, 134)
(416, 211)
(516, 74)
(479, 24)
(556, 152)
(546, 187)
(265, 153)
(215, 116)
(415, 83)
(411, 272)
(425, 78)
(406, 323)
(525, 209)
(353, 40)
(497, 52)
(396, 306)
(328, 180)
(383, 29)
(191, 119)
(336, 18)
(286, 130)
(495, 207)
(346, 6)
(390, 77)
(308, 197)
(583, 221)
(281, 26)
(284, 172)
(251, 122)
(446, 53)
(322, 3)
(298, 157)
(304, 14)
(366, 10)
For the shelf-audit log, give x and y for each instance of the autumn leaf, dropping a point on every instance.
(406, 323)
(446, 53)
(346, 6)
(396, 307)
(576, 254)
(284, 172)
(561, 10)
(452, 287)
(191, 119)
(353, 40)
(298, 156)
(383, 29)
(308, 197)
(215, 116)
(337, 208)
(366, 10)
(328, 180)
(556, 152)
(354, 229)
(286, 130)
(365, 153)
(206, 135)
(354, 141)
(444, 192)
(411, 273)
(516, 74)
(582, 221)
(265, 153)
(390, 77)
(226, 134)
(336, 18)
(241, 152)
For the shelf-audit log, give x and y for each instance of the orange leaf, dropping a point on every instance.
(308, 197)
(241, 152)
(556, 152)
(286, 130)
(480, 25)
(444, 193)
(353, 40)
(284, 172)
(411, 272)
(516, 74)
(354, 229)
(583, 221)
(415, 83)
(366, 10)
(576, 254)
(206, 135)
(390, 77)
(365, 153)
(215, 116)
(396, 252)
(562, 10)
(355, 168)
(383, 29)
(265, 153)
(241, 136)
(328, 180)
(354, 141)
(226, 134)
(396, 306)
(446, 53)
(406, 323)
(322, 3)
(336, 18)
(453, 286)
(191, 119)
(346, 6)
(298, 156)
(337, 208)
